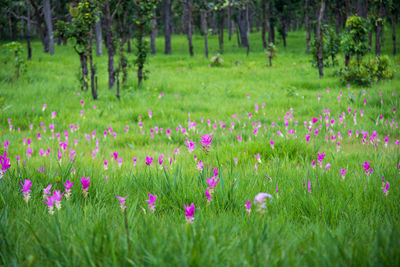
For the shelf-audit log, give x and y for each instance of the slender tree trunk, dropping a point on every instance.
(84, 69)
(319, 37)
(392, 17)
(270, 25)
(92, 71)
(243, 27)
(28, 29)
(221, 16)
(167, 26)
(230, 29)
(307, 25)
(379, 30)
(263, 23)
(39, 22)
(360, 8)
(189, 7)
(109, 45)
(348, 8)
(10, 30)
(99, 45)
(49, 25)
(153, 34)
(203, 19)
(337, 17)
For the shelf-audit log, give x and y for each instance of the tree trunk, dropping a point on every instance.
(319, 37)
(109, 45)
(99, 45)
(393, 31)
(92, 71)
(379, 30)
(337, 17)
(167, 26)
(221, 30)
(10, 31)
(263, 23)
(28, 29)
(230, 29)
(270, 25)
(203, 19)
(84, 69)
(244, 27)
(49, 25)
(348, 8)
(153, 34)
(188, 17)
(39, 22)
(307, 25)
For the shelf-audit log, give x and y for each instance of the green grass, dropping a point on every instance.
(348, 222)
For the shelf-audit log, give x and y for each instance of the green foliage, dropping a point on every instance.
(330, 47)
(354, 40)
(15, 57)
(367, 72)
(271, 52)
(216, 61)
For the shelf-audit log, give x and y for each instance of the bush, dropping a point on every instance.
(15, 56)
(367, 72)
(216, 61)
(330, 47)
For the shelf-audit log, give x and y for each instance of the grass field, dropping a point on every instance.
(315, 216)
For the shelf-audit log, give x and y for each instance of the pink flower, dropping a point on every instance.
(46, 191)
(4, 164)
(367, 169)
(260, 200)
(342, 173)
(189, 213)
(272, 143)
(190, 145)
(386, 188)
(235, 160)
(200, 166)
(149, 161)
(248, 206)
(258, 157)
(152, 202)
(57, 198)
(122, 202)
(85, 185)
(206, 142)
(150, 113)
(327, 166)
(50, 202)
(68, 185)
(26, 189)
(320, 158)
(309, 187)
(208, 195)
(212, 182)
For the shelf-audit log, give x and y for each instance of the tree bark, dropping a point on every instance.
(270, 24)
(28, 29)
(337, 17)
(153, 34)
(319, 37)
(109, 45)
(221, 15)
(203, 19)
(189, 30)
(263, 23)
(244, 27)
(307, 25)
(49, 25)
(167, 26)
(230, 28)
(84, 69)
(392, 17)
(92, 71)
(39, 22)
(98, 33)
(379, 30)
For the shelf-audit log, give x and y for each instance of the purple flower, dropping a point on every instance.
(200, 166)
(309, 187)
(189, 213)
(152, 202)
(386, 188)
(4, 164)
(68, 185)
(248, 206)
(85, 185)
(149, 161)
(190, 145)
(260, 200)
(206, 142)
(320, 158)
(122, 202)
(46, 191)
(342, 173)
(327, 166)
(208, 196)
(26, 189)
(367, 168)
(57, 198)
(212, 182)
(50, 202)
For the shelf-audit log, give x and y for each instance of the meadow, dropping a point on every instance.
(325, 154)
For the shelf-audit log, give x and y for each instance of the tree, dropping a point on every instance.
(354, 41)
(188, 23)
(167, 26)
(49, 25)
(319, 36)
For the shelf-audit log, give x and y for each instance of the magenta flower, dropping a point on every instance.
(122, 202)
(4, 164)
(309, 187)
(235, 160)
(200, 166)
(212, 182)
(248, 206)
(189, 213)
(152, 202)
(26, 189)
(367, 168)
(386, 188)
(320, 158)
(342, 173)
(327, 166)
(149, 161)
(46, 191)
(208, 196)
(161, 159)
(272, 143)
(260, 200)
(206, 142)
(85, 185)
(190, 145)
(258, 157)
(150, 113)
(57, 198)
(50, 202)
(68, 185)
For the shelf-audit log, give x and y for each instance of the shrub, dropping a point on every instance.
(367, 72)
(16, 58)
(216, 61)
(271, 52)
